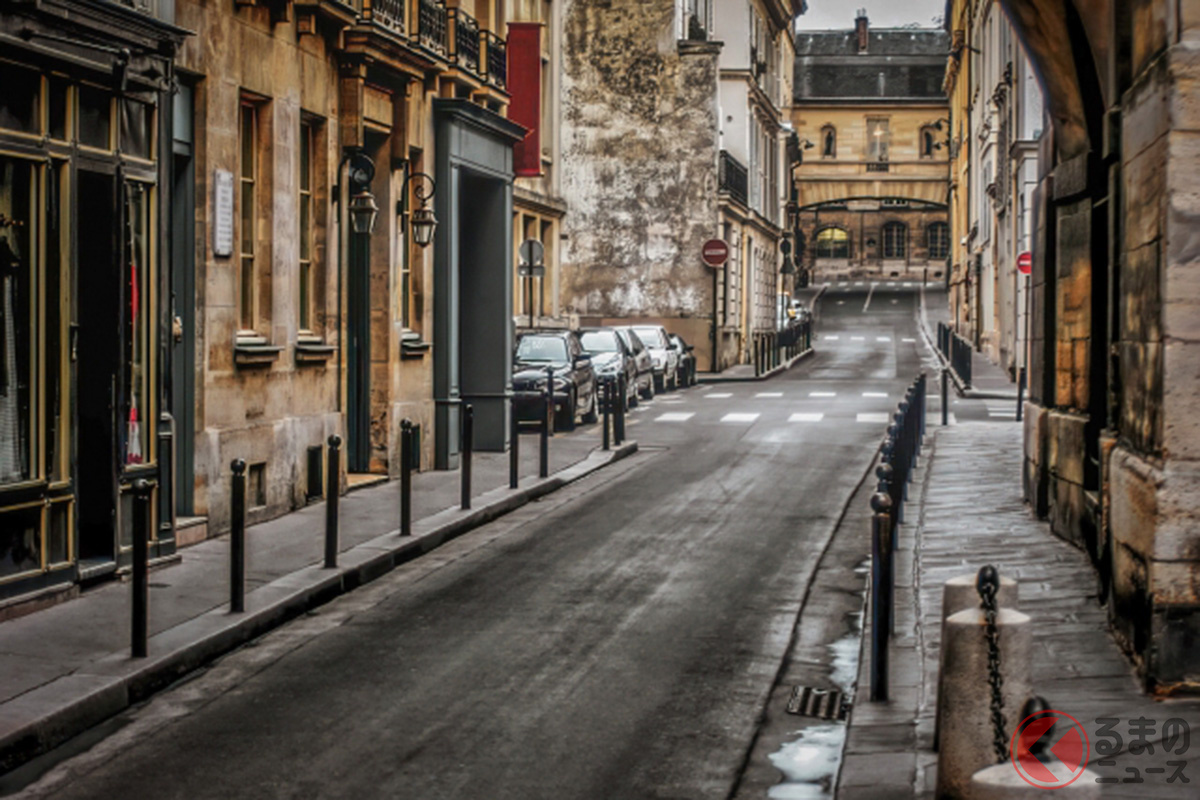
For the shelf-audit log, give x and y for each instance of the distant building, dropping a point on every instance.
(870, 113)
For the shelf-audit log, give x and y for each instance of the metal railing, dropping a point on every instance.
(432, 25)
(733, 178)
(957, 351)
(464, 39)
(389, 13)
(877, 166)
(769, 350)
(495, 59)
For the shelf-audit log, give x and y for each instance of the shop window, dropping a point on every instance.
(16, 203)
(308, 133)
(833, 243)
(895, 240)
(829, 142)
(137, 126)
(938, 240)
(20, 99)
(60, 97)
(95, 117)
(137, 318)
(58, 541)
(20, 541)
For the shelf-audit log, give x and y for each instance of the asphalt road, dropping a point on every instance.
(616, 640)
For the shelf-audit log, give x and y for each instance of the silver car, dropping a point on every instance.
(641, 357)
(664, 357)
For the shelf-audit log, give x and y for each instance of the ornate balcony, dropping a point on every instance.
(432, 25)
(389, 13)
(464, 40)
(733, 179)
(496, 55)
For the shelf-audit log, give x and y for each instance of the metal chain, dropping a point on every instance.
(999, 741)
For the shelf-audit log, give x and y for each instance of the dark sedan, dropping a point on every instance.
(574, 378)
(611, 357)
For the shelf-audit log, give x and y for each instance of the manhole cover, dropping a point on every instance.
(820, 703)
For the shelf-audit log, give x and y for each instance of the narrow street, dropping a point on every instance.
(617, 639)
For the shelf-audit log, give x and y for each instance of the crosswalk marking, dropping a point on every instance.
(831, 338)
(806, 417)
(859, 283)
(883, 338)
(909, 341)
(769, 394)
(858, 338)
(822, 394)
(675, 416)
(739, 418)
(718, 396)
(874, 394)
(876, 418)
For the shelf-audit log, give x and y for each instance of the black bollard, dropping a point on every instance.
(406, 461)
(945, 396)
(1021, 395)
(606, 386)
(547, 422)
(468, 448)
(139, 638)
(333, 484)
(881, 595)
(514, 447)
(619, 419)
(237, 540)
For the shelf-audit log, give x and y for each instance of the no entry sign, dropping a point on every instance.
(1025, 263)
(715, 252)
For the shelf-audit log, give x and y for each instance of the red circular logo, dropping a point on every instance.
(1049, 749)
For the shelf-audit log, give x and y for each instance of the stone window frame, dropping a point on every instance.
(941, 239)
(828, 141)
(927, 142)
(254, 264)
(817, 241)
(894, 244)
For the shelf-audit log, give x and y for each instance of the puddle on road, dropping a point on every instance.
(809, 762)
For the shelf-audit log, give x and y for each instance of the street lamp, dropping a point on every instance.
(422, 221)
(363, 211)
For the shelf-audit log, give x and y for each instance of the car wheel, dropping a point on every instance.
(631, 397)
(566, 417)
(648, 392)
(593, 412)
(660, 384)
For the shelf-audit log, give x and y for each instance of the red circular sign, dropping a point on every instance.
(715, 252)
(1025, 263)
(1049, 749)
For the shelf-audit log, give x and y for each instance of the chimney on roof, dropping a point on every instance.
(860, 28)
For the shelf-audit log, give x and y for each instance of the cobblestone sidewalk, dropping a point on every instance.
(965, 510)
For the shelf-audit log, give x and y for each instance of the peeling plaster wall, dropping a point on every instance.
(640, 148)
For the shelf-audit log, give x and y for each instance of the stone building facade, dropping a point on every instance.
(1112, 445)
(649, 99)
(871, 189)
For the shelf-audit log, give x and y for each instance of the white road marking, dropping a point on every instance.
(908, 283)
(874, 394)
(769, 394)
(858, 338)
(841, 302)
(1009, 414)
(831, 338)
(718, 395)
(739, 418)
(675, 416)
(822, 394)
(909, 341)
(894, 302)
(806, 417)
(867, 304)
(875, 418)
(883, 338)
(859, 283)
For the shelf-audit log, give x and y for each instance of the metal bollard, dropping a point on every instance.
(607, 386)
(547, 421)
(467, 448)
(514, 447)
(333, 477)
(237, 539)
(881, 595)
(406, 459)
(945, 396)
(1021, 394)
(139, 630)
(619, 419)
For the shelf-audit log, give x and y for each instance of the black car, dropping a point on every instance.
(687, 361)
(574, 378)
(610, 357)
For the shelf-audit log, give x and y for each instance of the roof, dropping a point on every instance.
(899, 64)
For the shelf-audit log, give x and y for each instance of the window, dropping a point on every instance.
(20, 102)
(937, 238)
(95, 117)
(878, 138)
(17, 226)
(137, 321)
(928, 144)
(829, 142)
(308, 135)
(833, 243)
(895, 240)
(247, 280)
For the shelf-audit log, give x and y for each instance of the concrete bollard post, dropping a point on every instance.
(1003, 782)
(967, 736)
(960, 594)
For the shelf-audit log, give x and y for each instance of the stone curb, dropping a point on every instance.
(963, 390)
(44, 718)
(784, 367)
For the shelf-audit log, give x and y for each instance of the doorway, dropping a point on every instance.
(97, 364)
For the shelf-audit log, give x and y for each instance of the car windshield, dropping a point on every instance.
(600, 342)
(542, 348)
(651, 337)
(631, 341)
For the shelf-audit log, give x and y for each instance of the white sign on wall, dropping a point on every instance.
(223, 213)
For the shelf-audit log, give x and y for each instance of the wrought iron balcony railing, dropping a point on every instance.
(464, 40)
(432, 25)
(496, 55)
(877, 166)
(733, 179)
(389, 13)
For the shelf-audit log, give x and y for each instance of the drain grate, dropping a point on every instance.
(820, 703)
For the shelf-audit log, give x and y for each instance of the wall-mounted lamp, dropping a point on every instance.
(362, 207)
(422, 221)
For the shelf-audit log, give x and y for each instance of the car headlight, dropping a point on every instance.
(658, 362)
(611, 368)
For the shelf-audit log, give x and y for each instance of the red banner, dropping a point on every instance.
(525, 87)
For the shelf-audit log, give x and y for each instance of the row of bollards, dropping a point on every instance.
(770, 350)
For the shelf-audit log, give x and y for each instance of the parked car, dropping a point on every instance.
(574, 378)
(610, 358)
(687, 361)
(641, 358)
(666, 360)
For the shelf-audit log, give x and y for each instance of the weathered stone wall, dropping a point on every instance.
(640, 128)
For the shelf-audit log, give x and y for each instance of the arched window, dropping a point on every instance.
(937, 238)
(833, 243)
(928, 142)
(895, 240)
(829, 142)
